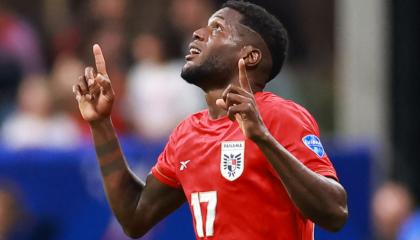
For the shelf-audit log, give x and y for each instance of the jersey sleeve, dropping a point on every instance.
(165, 167)
(298, 132)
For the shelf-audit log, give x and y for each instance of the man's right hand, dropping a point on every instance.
(138, 206)
(94, 92)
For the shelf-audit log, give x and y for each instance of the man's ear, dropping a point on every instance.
(251, 55)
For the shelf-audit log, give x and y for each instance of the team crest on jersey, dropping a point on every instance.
(232, 159)
(313, 143)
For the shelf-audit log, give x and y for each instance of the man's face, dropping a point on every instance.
(214, 53)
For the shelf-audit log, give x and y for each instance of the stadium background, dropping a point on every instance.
(353, 64)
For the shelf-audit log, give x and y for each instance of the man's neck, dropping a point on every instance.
(211, 96)
(215, 111)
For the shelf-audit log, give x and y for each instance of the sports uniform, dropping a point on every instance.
(233, 191)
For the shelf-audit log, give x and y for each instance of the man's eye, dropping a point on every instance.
(217, 28)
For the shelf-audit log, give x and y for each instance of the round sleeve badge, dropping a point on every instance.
(313, 143)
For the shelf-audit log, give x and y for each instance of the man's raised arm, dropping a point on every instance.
(138, 206)
(319, 198)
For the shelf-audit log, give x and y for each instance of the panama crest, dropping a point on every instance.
(232, 159)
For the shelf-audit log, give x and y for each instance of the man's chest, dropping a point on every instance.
(222, 163)
(226, 179)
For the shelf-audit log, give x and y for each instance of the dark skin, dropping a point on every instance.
(138, 206)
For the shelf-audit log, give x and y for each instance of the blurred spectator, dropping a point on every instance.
(410, 229)
(9, 213)
(157, 97)
(392, 204)
(66, 70)
(15, 223)
(9, 80)
(19, 55)
(18, 38)
(108, 10)
(34, 124)
(64, 73)
(190, 15)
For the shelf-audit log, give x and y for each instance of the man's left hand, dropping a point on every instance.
(239, 102)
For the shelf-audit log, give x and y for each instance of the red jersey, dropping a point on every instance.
(233, 191)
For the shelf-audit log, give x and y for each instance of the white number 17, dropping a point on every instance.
(211, 199)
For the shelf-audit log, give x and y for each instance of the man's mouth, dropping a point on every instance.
(193, 52)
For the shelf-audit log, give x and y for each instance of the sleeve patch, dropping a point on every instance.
(314, 144)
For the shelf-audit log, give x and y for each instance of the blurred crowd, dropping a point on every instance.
(39, 62)
(45, 45)
(394, 212)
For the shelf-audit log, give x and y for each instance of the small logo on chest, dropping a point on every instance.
(232, 162)
(184, 165)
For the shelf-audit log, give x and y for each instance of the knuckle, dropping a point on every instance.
(87, 71)
(249, 106)
(100, 77)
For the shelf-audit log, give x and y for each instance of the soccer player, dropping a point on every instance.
(251, 166)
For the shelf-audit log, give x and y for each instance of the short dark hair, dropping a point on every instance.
(268, 27)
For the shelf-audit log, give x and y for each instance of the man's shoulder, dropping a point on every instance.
(191, 121)
(274, 106)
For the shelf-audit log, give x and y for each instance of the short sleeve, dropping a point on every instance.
(165, 167)
(298, 132)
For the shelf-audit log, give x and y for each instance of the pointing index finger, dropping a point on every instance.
(99, 59)
(243, 78)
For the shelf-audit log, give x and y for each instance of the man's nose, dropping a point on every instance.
(199, 34)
